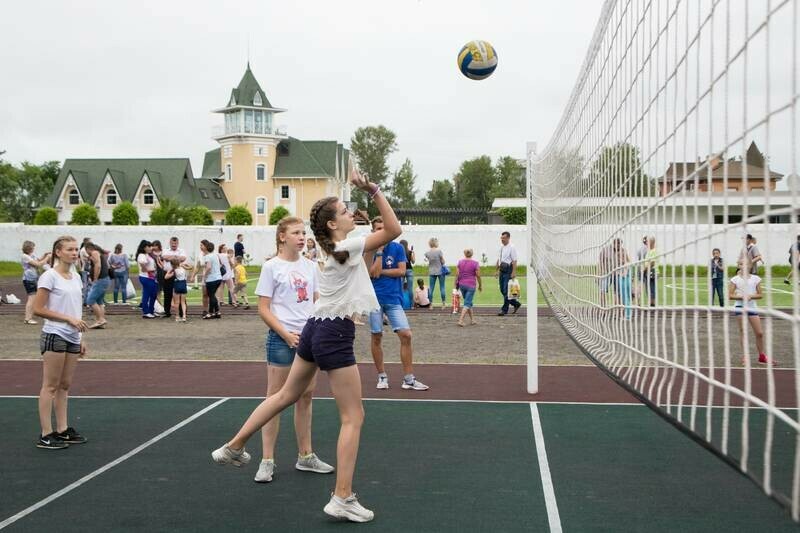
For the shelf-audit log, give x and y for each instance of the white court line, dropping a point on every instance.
(544, 469)
(72, 486)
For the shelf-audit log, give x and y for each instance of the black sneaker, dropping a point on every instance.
(71, 436)
(51, 441)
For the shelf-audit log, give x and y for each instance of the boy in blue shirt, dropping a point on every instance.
(387, 268)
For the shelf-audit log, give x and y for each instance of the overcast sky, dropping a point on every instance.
(138, 79)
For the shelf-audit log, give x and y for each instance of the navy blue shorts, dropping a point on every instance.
(180, 286)
(30, 286)
(328, 343)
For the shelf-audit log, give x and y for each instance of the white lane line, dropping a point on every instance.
(544, 469)
(72, 486)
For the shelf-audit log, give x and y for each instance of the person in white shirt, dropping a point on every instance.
(147, 278)
(227, 277)
(327, 340)
(287, 290)
(59, 301)
(30, 276)
(177, 279)
(744, 289)
(506, 271)
(168, 285)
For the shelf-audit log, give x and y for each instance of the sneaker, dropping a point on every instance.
(383, 383)
(348, 508)
(265, 471)
(763, 359)
(415, 385)
(312, 463)
(516, 308)
(71, 436)
(149, 315)
(51, 441)
(786, 281)
(228, 456)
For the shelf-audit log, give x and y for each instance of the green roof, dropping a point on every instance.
(306, 159)
(212, 164)
(169, 177)
(246, 91)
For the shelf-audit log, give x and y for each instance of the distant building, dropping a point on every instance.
(256, 165)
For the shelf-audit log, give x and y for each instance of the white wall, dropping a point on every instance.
(578, 248)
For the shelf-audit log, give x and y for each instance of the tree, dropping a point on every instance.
(46, 216)
(85, 215)
(168, 213)
(510, 175)
(372, 146)
(238, 215)
(618, 172)
(277, 214)
(125, 214)
(475, 183)
(513, 215)
(24, 190)
(441, 195)
(403, 192)
(197, 215)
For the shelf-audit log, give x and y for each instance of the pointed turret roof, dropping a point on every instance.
(245, 93)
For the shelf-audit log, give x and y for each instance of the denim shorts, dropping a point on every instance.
(97, 292)
(328, 343)
(468, 293)
(278, 352)
(395, 314)
(30, 286)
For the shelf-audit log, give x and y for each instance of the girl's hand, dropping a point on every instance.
(78, 324)
(292, 339)
(83, 352)
(361, 181)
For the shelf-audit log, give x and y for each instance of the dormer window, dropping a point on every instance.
(203, 194)
(74, 197)
(148, 197)
(111, 197)
(257, 99)
(218, 195)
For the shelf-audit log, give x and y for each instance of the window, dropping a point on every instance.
(218, 195)
(259, 122)
(260, 150)
(261, 172)
(111, 197)
(719, 219)
(74, 197)
(257, 99)
(261, 206)
(148, 197)
(228, 172)
(734, 219)
(283, 149)
(248, 121)
(284, 192)
(203, 194)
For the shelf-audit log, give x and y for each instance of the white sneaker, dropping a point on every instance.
(383, 382)
(228, 456)
(415, 385)
(312, 463)
(348, 508)
(265, 471)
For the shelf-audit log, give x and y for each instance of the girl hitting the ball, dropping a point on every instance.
(326, 342)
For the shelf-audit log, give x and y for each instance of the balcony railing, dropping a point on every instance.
(221, 131)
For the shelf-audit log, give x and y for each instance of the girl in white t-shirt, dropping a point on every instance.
(59, 301)
(147, 278)
(287, 290)
(327, 340)
(744, 289)
(179, 287)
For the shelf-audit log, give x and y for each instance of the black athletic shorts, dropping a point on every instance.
(51, 342)
(328, 343)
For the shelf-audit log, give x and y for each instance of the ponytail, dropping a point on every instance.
(58, 245)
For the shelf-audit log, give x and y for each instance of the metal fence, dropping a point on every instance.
(442, 216)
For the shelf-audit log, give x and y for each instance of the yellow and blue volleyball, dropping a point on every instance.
(477, 60)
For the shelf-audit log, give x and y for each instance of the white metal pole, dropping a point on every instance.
(533, 291)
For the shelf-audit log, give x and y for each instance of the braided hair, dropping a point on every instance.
(58, 245)
(322, 212)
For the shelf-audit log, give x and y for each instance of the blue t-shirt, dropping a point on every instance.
(389, 290)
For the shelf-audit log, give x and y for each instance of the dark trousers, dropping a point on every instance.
(716, 288)
(211, 289)
(167, 285)
(504, 279)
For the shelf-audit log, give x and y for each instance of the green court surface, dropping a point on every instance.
(422, 466)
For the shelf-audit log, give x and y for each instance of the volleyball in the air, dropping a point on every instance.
(477, 60)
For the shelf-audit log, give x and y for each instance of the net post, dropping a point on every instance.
(532, 319)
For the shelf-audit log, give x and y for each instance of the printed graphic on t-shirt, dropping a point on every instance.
(389, 261)
(300, 285)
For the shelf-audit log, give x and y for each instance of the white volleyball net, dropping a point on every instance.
(680, 137)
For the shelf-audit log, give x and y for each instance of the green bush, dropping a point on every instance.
(85, 215)
(125, 214)
(46, 216)
(238, 215)
(277, 214)
(513, 215)
(197, 215)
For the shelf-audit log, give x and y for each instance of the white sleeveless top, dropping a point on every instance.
(345, 289)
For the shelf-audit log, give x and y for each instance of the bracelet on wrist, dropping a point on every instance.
(374, 192)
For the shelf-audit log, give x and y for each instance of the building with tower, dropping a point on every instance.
(256, 165)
